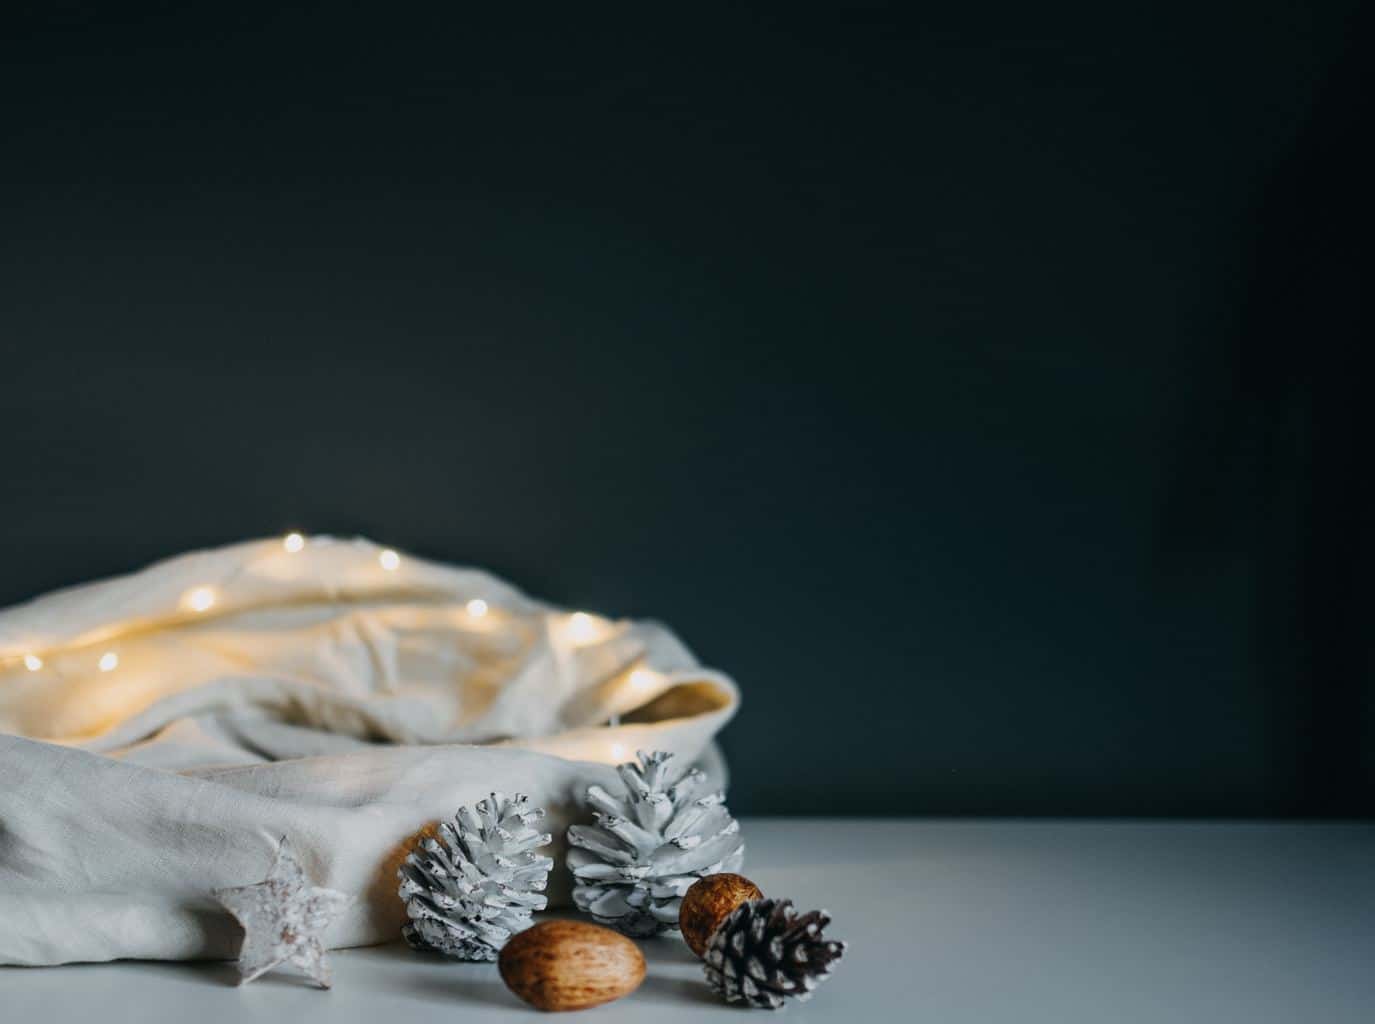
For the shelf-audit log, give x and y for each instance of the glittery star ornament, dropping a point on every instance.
(283, 917)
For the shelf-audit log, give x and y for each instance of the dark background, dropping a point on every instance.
(977, 387)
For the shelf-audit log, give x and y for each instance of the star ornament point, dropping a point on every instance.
(283, 918)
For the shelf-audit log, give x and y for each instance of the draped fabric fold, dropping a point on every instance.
(160, 731)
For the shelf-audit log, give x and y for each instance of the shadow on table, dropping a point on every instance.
(487, 991)
(658, 988)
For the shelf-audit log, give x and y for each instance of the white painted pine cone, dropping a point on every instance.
(475, 885)
(649, 845)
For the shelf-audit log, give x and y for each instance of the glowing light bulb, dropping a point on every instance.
(477, 608)
(389, 560)
(618, 751)
(199, 599)
(109, 661)
(643, 678)
(293, 542)
(33, 662)
(582, 628)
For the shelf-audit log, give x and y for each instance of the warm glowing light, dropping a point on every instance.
(293, 542)
(199, 599)
(389, 560)
(618, 751)
(477, 608)
(582, 628)
(33, 662)
(109, 661)
(643, 678)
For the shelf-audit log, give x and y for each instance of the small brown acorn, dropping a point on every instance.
(570, 965)
(708, 902)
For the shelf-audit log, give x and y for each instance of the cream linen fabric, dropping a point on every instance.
(185, 717)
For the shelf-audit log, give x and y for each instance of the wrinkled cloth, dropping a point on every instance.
(160, 732)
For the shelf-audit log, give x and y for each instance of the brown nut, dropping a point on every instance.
(708, 903)
(570, 965)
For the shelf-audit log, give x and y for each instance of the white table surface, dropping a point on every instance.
(947, 922)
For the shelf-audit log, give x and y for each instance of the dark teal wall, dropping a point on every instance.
(978, 388)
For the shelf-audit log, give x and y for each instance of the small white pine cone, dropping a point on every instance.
(648, 846)
(475, 885)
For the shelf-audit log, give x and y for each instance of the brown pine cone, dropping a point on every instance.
(765, 952)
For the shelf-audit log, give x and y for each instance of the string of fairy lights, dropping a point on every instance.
(582, 628)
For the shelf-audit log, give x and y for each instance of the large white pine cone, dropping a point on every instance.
(475, 885)
(648, 846)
